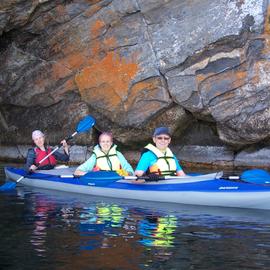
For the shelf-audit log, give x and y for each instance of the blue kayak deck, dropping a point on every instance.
(212, 185)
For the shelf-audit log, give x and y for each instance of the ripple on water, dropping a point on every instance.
(43, 229)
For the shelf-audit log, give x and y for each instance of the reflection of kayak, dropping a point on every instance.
(195, 190)
(148, 208)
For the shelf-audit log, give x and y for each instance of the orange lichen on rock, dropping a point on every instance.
(145, 91)
(96, 28)
(266, 35)
(59, 71)
(73, 61)
(147, 88)
(223, 83)
(93, 9)
(109, 78)
(267, 22)
(239, 78)
(109, 42)
(200, 78)
(68, 86)
(40, 83)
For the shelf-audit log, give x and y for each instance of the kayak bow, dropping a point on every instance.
(195, 190)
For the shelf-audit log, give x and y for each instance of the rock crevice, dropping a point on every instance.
(134, 65)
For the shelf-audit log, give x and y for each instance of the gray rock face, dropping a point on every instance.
(181, 29)
(133, 65)
(206, 155)
(253, 157)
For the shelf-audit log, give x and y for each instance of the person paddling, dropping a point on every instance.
(158, 159)
(105, 157)
(41, 150)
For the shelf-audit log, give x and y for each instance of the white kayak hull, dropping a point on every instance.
(225, 194)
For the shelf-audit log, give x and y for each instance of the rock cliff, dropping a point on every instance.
(200, 67)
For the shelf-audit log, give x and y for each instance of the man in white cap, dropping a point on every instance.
(41, 150)
(158, 159)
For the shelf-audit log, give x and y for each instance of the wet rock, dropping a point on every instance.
(134, 65)
(14, 153)
(205, 155)
(183, 29)
(175, 118)
(198, 133)
(25, 120)
(79, 154)
(254, 157)
(16, 13)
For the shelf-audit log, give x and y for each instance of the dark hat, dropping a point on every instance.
(161, 130)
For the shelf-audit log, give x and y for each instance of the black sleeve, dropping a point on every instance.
(30, 158)
(61, 156)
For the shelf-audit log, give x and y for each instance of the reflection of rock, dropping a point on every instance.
(134, 65)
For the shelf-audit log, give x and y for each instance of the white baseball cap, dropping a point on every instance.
(36, 134)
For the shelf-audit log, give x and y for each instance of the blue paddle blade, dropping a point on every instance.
(8, 186)
(100, 178)
(85, 124)
(256, 176)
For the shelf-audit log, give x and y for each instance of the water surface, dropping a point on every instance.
(42, 229)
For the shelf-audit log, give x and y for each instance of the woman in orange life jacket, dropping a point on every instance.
(105, 157)
(158, 159)
(36, 154)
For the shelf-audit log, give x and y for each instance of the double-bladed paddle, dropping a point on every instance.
(105, 178)
(84, 125)
(252, 176)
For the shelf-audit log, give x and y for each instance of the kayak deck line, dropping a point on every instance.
(204, 182)
(203, 190)
(66, 176)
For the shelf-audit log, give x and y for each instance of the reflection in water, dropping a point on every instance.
(100, 225)
(100, 222)
(158, 230)
(42, 211)
(65, 231)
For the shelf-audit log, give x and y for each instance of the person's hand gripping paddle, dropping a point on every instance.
(84, 125)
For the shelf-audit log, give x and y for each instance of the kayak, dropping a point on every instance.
(206, 190)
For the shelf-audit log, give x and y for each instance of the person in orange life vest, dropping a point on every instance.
(36, 154)
(105, 157)
(158, 159)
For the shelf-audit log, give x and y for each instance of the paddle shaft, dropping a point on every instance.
(145, 177)
(233, 177)
(256, 181)
(164, 177)
(21, 178)
(57, 147)
(84, 125)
